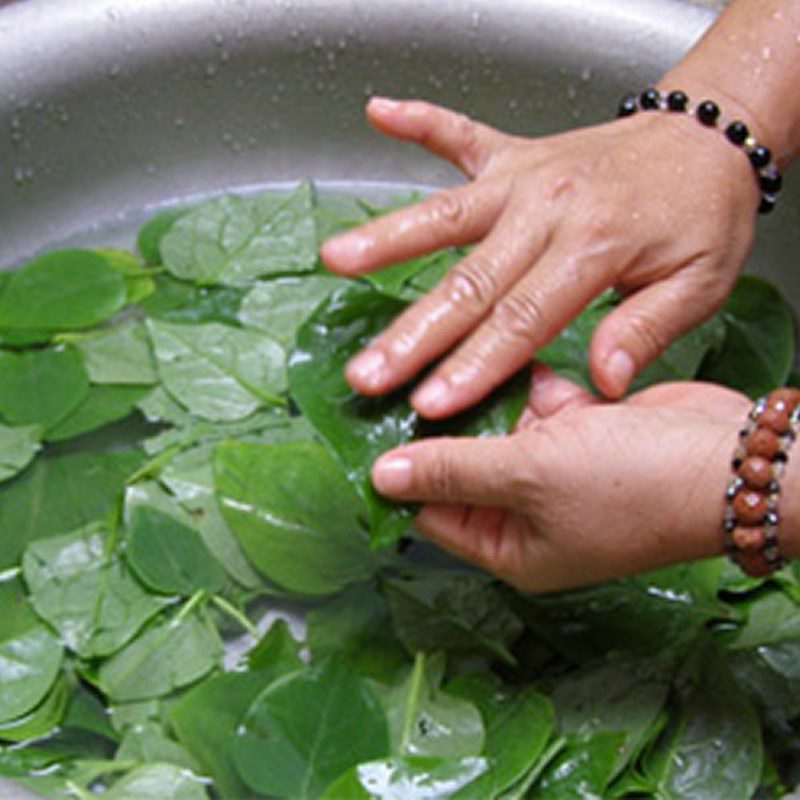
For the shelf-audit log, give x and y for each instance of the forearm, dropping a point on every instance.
(749, 63)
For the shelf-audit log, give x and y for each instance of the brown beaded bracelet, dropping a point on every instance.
(750, 524)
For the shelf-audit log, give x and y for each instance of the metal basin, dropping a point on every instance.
(111, 107)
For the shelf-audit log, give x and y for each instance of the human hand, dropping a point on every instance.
(583, 491)
(654, 205)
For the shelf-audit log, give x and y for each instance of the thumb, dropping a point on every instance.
(449, 470)
(646, 323)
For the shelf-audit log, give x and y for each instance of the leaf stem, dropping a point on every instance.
(234, 613)
(558, 745)
(412, 704)
(9, 574)
(155, 464)
(189, 606)
(79, 792)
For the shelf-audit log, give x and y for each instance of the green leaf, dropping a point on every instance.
(306, 729)
(118, 355)
(458, 612)
(582, 770)
(63, 290)
(147, 743)
(101, 406)
(409, 778)
(234, 240)
(42, 720)
(80, 587)
(712, 748)
(518, 727)
(772, 618)
(758, 350)
(167, 655)
(424, 721)
(644, 614)
(280, 306)
(568, 353)
(218, 372)
(158, 782)
(41, 387)
(309, 542)
(356, 625)
(205, 721)
(30, 661)
(138, 280)
(356, 428)
(410, 279)
(148, 240)
(186, 303)
(18, 447)
(619, 696)
(170, 557)
(88, 487)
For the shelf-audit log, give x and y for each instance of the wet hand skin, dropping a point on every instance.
(584, 491)
(554, 221)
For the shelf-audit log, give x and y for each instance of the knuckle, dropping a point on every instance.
(471, 286)
(450, 211)
(441, 476)
(649, 334)
(521, 315)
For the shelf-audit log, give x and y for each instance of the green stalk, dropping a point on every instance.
(227, 608)
(153, 467)
(412, 704)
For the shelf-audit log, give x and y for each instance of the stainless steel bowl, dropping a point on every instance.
(111, 107)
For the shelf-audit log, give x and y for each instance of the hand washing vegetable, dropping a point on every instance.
(183, 468)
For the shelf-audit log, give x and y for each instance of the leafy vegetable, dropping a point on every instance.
(166, 483)
(64, 290)
(308, 728)
(218, 372)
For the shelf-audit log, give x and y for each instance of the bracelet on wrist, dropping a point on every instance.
(708, 114)
(750, 523)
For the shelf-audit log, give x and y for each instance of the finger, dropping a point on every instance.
(539, 306)
(434, 324)
(450, 470)
(451, 217)
(551, 393)
(475, 534)
(467, 144)
(647, 322)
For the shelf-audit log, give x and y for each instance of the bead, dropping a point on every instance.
(771, 183)
(771, 519)
(708, 113)
(774, 487)
(752, 564)
(733, 488)
(737, 132)
(760, 156)
(763, 442)
(756, 472)
(650, 99)
(677, 101)
(748, 538)
(767, 204)
(786, 397)
(775, 419)
(628, 106)
(782, 456)
(750, 507)
(729, 525)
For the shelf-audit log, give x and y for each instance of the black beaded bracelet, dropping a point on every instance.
(708, 113)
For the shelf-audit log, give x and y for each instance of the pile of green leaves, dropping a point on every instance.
(183, 469)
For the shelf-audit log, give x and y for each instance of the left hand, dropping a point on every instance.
(583, 491)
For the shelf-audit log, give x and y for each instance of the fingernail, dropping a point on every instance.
(392, 474)
(432, 396)
(345, 252)
(367, 367)
(383, 103)
(620, 368)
